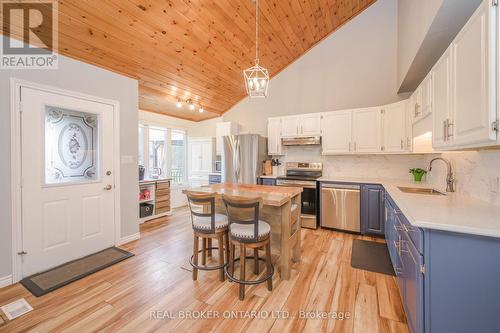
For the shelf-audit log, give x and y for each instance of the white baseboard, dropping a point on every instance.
(128, 239)
(5, 281)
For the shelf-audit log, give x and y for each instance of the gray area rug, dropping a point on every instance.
(371, 256)
(42, 283)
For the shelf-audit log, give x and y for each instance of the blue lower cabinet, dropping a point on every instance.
(372, 209)
(448, 282)
(412, 264)
(268, 181)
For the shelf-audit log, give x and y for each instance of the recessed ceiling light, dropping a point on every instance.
(178, 104)
(201, 110)
(191, 105)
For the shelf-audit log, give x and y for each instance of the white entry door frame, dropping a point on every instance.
(16, 163)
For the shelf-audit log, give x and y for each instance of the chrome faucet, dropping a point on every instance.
(450, 180)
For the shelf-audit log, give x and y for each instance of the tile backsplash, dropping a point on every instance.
(476, 172)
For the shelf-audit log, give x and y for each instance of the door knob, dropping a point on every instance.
(108, 187)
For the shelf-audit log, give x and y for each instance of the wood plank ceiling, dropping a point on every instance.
(195, 49)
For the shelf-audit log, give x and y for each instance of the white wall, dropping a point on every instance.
(414, 21)
(204, 128)
(354, 67)
(425, 29)
(79, 77)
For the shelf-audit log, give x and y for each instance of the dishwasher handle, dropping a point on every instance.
(341, 186)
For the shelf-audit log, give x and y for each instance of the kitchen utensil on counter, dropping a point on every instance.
(267, 168)
(142, 171)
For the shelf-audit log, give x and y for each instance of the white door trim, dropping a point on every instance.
(16, 162)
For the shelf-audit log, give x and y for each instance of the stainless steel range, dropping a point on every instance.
(300, 174)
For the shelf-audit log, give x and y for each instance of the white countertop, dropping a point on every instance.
(453, 212)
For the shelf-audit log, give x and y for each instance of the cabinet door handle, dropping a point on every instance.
(402, 143)
(445, 130)
(448, 131)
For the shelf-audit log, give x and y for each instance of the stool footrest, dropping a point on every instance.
(207, 268)
(250, 282)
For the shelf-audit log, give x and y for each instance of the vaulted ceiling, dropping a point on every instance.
(195, 49)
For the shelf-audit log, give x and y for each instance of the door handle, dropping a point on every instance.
(108, 187)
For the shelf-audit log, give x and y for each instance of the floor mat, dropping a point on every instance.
(371, 256)
(55, 278)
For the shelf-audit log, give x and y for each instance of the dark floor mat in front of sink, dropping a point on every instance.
(371, 256)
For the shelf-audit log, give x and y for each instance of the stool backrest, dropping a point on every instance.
(243, 211)
(202, 205)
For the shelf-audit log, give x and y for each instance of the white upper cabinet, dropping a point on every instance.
(394, 122)
(290, 126)
(441, 100)
(336, 132)
(426, 92)
(367, 130)
(310, 124)
(224, 129)
(473, 83)
(421, 99)
(301, 125)
(416, 104)
(408, 127)
(274, 136)
(464, 85)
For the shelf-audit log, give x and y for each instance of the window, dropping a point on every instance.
(165, 155)
(141, 145)
(178, 169)
(71, 146)
(157, 147)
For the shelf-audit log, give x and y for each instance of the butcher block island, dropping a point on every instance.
(281, 209)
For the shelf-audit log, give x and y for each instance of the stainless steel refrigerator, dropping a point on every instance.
(242, 157)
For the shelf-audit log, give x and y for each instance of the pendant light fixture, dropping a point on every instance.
(256, 77)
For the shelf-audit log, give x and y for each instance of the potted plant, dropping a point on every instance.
(418, 174)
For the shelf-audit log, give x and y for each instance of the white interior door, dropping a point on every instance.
(67, 178)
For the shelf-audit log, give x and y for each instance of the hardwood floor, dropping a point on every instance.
(139, 294)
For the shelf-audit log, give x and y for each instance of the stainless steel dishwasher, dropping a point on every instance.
(340, 206)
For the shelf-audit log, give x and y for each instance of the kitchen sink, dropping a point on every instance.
(420, 190)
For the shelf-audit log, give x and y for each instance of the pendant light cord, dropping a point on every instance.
(257, 31)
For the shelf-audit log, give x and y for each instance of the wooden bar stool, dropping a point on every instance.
(207, 225)
(247, 231)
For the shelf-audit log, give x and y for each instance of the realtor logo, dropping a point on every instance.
(30, 34)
